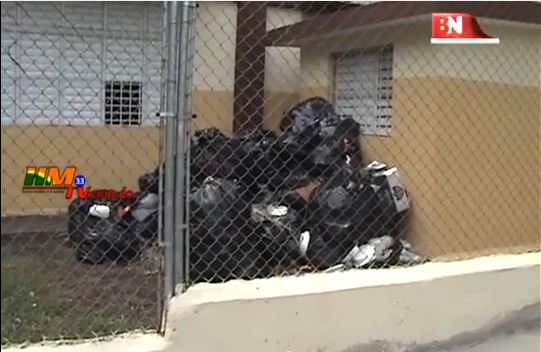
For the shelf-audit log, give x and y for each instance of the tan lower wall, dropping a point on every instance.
(276, 104)
(213, 109)
(109, 157)
(468, 152)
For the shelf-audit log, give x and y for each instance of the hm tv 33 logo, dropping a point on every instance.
(458, 28)
(50, 179)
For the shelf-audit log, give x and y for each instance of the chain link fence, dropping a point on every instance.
(302, 137)
(332, 136)
(81, 88)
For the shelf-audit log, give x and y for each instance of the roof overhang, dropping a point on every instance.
(384, 13)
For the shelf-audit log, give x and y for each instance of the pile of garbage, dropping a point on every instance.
(264, 202)
(106, 231)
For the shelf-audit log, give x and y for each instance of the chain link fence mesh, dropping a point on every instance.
(295, 102)
(324, 136)
(81, 86)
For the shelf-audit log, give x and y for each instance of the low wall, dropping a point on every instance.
(357, 310)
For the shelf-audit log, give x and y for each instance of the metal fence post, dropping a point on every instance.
(170, 107)
(183, 107)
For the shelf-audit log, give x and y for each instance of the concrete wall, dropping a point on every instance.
(462, 116)
(372, 310)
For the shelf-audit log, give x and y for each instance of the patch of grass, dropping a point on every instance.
(28, 301)
(35, 306)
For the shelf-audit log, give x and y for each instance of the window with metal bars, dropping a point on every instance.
(123, 101)
(364, 88)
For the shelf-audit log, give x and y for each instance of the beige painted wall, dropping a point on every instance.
(466, 131)
(110, 157)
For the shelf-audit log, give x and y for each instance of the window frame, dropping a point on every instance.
(109, 116)
(383, 95)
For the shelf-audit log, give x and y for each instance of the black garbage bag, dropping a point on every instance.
(337, 149)
(320, 135)
(150, 182)
(214, 154)
(143, 216)
(108, 240)
(256, 163)
(344, 213)
(280, 222)
(311, 112)
(268, 160)
(98, 235)
(222, 240)
(301, 124)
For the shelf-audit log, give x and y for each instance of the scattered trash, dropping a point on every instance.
(100, 211)
(263, 201)
(360, 256)
(106, 231)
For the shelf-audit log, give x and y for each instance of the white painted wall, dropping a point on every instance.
(67, 50)
(516, 60)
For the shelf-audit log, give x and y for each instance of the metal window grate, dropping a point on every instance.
(364, 89)
(123, 103)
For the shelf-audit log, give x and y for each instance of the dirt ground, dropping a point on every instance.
(48, 294)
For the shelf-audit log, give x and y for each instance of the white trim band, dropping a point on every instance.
(465, 40)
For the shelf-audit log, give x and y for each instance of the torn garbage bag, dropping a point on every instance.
(342, 216)
(221, 237)
(308, 113)
(279, 223)
(392, 195)
(337, 149)
(381, 252)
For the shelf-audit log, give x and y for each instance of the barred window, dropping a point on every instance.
(364, 88)
(123, 102)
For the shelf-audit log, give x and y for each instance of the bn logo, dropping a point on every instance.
(458, 28)
(453, 24)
